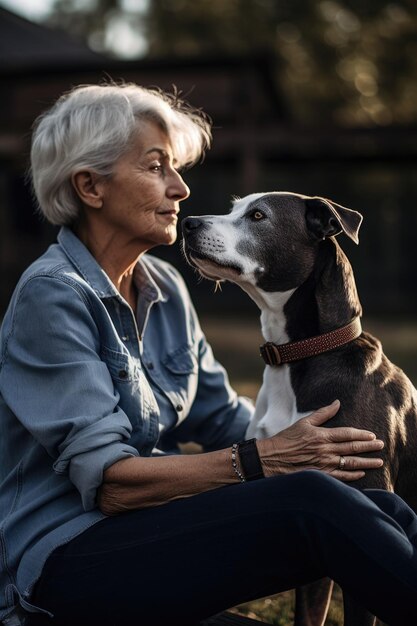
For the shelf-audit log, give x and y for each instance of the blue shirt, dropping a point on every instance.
(83, 384)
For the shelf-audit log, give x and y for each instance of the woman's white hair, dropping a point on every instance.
(92, 126)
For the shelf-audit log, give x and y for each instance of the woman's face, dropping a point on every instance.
(141, 197)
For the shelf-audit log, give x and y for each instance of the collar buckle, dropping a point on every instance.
(269, 352)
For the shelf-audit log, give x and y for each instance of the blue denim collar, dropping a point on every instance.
(94, 274)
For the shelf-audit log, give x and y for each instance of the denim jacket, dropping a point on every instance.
(85, 383)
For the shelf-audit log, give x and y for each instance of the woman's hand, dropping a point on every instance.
(308, 445)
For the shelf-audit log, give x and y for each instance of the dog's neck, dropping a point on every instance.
(273, 320)
(326, 300)
(271, 304)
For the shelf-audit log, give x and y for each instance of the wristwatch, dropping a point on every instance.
(249, 460)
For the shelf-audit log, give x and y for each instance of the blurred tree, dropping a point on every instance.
(353, 62)
(114, 27)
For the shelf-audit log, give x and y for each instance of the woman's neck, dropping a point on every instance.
(118, 259)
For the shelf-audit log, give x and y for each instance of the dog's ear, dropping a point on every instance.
(325, 218)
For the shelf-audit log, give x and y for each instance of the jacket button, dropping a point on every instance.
(149, 365)
(179, 407)
(122, 374)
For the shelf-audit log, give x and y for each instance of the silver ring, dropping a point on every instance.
(342, 462)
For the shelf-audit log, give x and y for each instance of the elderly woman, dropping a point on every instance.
(105, 369)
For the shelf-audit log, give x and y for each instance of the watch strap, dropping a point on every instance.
(250, 461)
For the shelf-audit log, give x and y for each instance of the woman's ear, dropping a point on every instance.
(89, 187)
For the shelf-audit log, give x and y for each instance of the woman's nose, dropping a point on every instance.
(177, 189)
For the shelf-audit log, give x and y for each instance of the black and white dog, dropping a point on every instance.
(281, 249)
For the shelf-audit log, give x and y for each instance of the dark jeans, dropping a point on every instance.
(181, 562)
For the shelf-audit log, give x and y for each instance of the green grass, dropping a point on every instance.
(279, 609)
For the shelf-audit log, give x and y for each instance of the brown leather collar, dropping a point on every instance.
(274, 354)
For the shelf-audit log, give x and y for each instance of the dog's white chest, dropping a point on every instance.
(276, 405)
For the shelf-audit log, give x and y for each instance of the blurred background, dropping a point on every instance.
(317, 97)
(313, 96)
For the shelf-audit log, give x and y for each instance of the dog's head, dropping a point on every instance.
(268, 240)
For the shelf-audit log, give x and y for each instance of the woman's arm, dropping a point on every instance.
(53, 379)
(150, 481)
(136, 483)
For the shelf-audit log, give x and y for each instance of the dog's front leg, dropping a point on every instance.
(276, 405)
(312, 603)
(254, 429)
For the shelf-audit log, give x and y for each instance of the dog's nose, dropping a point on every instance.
(190, 223)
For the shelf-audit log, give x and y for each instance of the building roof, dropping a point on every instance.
(26, 44)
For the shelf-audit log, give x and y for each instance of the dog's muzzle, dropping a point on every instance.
(190, 224)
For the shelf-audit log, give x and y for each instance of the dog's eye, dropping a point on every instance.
(257, 215)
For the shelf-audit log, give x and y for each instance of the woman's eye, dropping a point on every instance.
(157, 167)
(257, 215)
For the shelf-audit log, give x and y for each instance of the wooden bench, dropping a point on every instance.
(230, 619)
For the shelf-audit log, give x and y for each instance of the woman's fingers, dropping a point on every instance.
(354, 468)
(343, 433)
(353, 463)
(321, 416)
(307, 444)
(348, 477)
(356, 447)
(348, 433)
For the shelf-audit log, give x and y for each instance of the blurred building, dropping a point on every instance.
(256, 148)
